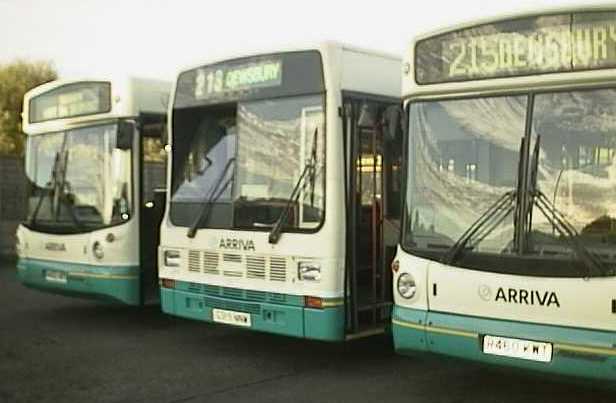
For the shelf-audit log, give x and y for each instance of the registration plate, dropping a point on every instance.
(517, 348)
(55, 276)
(231, 317)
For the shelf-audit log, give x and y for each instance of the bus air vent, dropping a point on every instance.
(210, 263)
(232, 265)
(194, 261)
(232, 258)
(278, 269)
(255, 267)
(232, 293)
(256, 295)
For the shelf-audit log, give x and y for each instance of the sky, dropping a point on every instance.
(157, 38)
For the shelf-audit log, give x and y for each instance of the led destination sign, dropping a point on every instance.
(250, 78)
(71, 100)
(548, 44)
(214, 81)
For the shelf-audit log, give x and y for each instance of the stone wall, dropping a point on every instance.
(12, 201)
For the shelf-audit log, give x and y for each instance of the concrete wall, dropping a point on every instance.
(12, 201)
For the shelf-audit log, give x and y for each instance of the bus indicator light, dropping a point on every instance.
(167, 283)
(395, 266)
(313, 302)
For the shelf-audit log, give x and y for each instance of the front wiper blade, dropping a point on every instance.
(51, 186)
(558, 220)
(483, 226)
(311, 165)
(215, 194)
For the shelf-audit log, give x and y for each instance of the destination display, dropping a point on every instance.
(265, 76)
(71, 100)
(536, 45)
(214, 81)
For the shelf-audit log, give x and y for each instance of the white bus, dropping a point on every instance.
(93, 160)
(508, 243)
(282, 213)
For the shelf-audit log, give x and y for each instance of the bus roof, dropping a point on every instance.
(533, 12)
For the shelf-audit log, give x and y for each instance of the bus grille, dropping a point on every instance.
(278, 269)
(194, 261)
(236, 293)
(210, 263)
(257, 267)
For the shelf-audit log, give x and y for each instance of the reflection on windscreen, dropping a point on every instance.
(78, 178)
(463, 157)
(465, 154)
(577, 164)
(245, 160)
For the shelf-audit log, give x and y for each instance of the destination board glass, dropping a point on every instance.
(259, 77)
(519, 47)
(71, 100)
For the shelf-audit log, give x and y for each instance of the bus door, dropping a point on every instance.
(372, 201)
(152, 176)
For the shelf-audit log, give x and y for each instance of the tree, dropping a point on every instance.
(16, 79)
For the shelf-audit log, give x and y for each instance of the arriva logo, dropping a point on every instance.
(520, 296)
(55, 246)
(236, 244)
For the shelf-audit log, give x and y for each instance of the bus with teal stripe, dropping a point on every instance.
(93, 161)
(284, 189)
(508, 244)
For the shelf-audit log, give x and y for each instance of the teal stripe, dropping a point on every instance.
(576, 352)
(288, 317)
(110, 283)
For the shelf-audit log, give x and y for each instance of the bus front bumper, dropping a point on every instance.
(576, 352)
(266, 312)
(108, 283)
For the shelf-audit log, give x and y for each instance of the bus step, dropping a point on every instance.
(368, 307)
(366, 333)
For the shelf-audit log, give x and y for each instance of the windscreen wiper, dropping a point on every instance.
(215, 194)
(558, 220)
(483, 226)
(310, 167)
(51, 185)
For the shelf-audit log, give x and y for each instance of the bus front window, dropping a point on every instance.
(79, 180)
(577, 168)
(238, 164)
(463, 157)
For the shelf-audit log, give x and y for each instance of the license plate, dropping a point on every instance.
(517, 348)
(231, 317)
(55, 276)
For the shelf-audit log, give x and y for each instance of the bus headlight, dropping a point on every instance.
(309, 271)
(172, 258)
(97, 250)
(406, 286)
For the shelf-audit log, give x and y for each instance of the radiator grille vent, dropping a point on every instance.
(194, 261)
(278, 269)
(210, 263)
